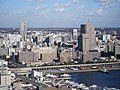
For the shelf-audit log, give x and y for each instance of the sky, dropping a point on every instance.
(59, 13)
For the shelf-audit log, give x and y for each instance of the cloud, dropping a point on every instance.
(81, 7)
(75, 1)
(40, 0)
(67, 4)
(43, 13)
(41, 7)
(107, 3)
(60, 9)
(100, 11)
(91, 14)
(63, 5)
(35, 1)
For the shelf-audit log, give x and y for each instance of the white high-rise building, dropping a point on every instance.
(75, 34)
(23, 29)
(106, 37)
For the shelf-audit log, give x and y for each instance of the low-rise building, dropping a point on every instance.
(46, 54)
(5, 74)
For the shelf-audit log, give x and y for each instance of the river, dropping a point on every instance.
(111, 80)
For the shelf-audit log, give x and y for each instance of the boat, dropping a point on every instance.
(51, 76)
(74, 69)
(103, 69)
(94, 67)
(61, 69)
(65, 75)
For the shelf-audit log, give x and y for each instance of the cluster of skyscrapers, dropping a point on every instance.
(49, 46)
(36, 48)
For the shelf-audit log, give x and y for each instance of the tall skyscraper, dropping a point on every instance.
(23, 29)
(86, 42)
(86, 39)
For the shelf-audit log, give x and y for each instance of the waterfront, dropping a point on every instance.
(80, 68)
(111, 80)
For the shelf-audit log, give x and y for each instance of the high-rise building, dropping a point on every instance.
(106, 37)
(23, 29)
(86, 42)
(86, 39)
(75, 34)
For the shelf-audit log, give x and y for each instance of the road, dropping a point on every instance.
(42, 68)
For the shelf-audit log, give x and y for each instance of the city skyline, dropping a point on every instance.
(59, 13)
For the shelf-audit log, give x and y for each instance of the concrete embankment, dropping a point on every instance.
(78, 71)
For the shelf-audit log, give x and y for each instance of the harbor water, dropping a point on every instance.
(111, 79)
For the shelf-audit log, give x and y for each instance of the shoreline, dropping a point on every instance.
(80, 71)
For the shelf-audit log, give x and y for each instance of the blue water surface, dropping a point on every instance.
(112, 79)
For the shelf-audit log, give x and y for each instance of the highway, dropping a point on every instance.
(43, 68)
(74, 66)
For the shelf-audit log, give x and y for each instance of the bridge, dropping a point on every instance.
(56, 67)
